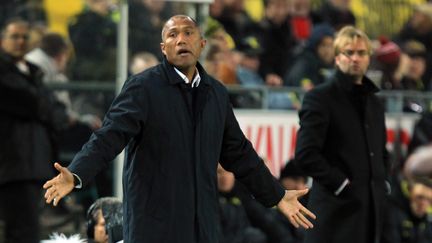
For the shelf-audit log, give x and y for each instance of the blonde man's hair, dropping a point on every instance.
(350, 34)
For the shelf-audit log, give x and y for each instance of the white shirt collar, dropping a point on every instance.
(195, 82)
(22, 66)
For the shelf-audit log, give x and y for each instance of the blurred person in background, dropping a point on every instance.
(419, 28)
(388, 59)
(302, 19)
(220, 53)
(146, 20)
(93, 33)
(234, 221)
(52, 57)
(408, 220)
(234, 19)
(142, 61)
(105, 221)
(30, 120)
(292, 178)
(419, 163)
(412, 74)
(277, 42)
(337, 13)
(341, 144)
(315, 64)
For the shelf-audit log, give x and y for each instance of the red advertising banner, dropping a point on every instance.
(273, 133)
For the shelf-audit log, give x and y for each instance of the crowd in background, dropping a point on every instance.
(291, 45)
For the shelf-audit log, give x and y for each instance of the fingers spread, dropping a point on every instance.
(304, 221)
(293, 221)
(307, 212)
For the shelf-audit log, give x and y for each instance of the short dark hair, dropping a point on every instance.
(112, 212)
(14, 20)
(179, 16)
(53, 44)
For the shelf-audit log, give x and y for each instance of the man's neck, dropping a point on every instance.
(358, 80)
(189, 73)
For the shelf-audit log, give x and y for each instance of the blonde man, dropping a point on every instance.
(341, 144)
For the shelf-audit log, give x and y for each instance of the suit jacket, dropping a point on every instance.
(172, 151)
(342, 136)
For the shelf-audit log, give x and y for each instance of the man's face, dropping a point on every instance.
(354, 58)
(325, 50)
(100, 235)
(182, 43)
(421, 199)
(15, 40)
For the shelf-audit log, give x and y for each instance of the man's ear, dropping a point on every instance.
(162, 46)
(336, 59)
(203, 43)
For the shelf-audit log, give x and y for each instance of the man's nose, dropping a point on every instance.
(181, 38)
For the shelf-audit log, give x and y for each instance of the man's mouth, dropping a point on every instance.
(183, 52)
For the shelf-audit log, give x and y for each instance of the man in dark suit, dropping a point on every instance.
(29, 117)
(176, 123)
(341, 144)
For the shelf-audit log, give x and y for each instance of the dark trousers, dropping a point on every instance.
(19, 212)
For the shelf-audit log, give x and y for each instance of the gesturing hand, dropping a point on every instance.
(59, 186)
(295, 212)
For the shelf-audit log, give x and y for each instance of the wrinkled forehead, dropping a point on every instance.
(180, 21)
(17, 27)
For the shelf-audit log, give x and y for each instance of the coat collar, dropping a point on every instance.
(345, 81)
(174, 78)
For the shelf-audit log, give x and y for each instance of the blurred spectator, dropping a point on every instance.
(146, 19)
(93, 35)
(246, 220)
(388, 59)
(422, 134)
(409, 220)
(419, 163)
(29, 10)
(247, 70)
(220, 48)
(30, 119)
(105, 221)
(419, 28)
(32, 11)
(302, 19)
(315, 64)
(412, 75)
(216, 35)
(293, 178)
(277, 41)
(337, 13)
(37, 31)
(235, 225)
(142, 61)
(52, 57)
(247, 75)
(234, 18)
(218, 66)
(8, 10)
